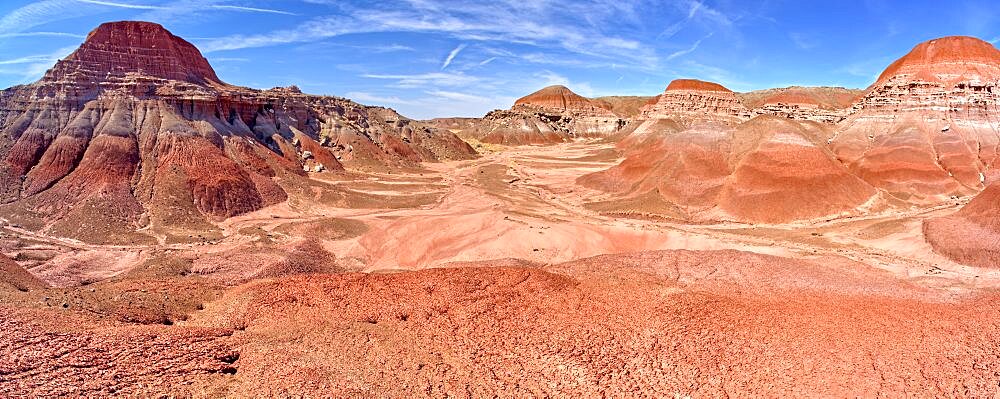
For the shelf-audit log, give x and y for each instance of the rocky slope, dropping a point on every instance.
(135, 131)
(766, 170)
(926, 129)
(551, 115)
(923, 133)
(818, 104)
(971, 235)
(625, 106)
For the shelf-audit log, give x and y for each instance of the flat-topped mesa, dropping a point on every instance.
(116, 50)
(563, 100)
(689, 99)
(696, 85)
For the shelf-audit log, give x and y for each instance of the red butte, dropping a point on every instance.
(551, 115)
(926, 129)
(697, 100)
(135, 131)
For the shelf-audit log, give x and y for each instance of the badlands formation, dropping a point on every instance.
(163, 233)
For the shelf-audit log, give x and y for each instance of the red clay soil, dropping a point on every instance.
(767, 170)
(13, 276)
(656, 324)
(971, 235)
(50, 353)
(626, 106)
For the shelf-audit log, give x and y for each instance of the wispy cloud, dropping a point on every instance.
(688, 50)
(49, 11)
(868, 69)
(544, 26)
(42, 34)
(251, 9)
(451, 55)
(389, 48)
(487, 61)
(230, 59)
(801, 41)
(32, 67)
(122, 5)
(369, 98)
(723, 76)
(43, 12)
(696, 11)
(456, 96)
(433, 79)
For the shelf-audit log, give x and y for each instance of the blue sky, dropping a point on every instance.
(429, 58)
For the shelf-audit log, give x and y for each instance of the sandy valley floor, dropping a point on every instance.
(473, 277)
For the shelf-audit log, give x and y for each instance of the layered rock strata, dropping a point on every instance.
(927, 130)
(551, 115)
(135, 130)
(696, 100)
(818, 104)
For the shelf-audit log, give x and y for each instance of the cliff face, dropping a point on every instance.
(115, 50)
(135, 130)
(924, 130)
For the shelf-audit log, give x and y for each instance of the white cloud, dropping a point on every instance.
(456, 96)
(42, 34)
(121, 5)
(251, 9)
(389, 48)
(801, 41)
(693, 69)
(229, 59)
(452, 55)
(433, 79)
(544, 26)
(31, 67)
(49, 11)
(689, 50)
(43, 12)
(368, 98)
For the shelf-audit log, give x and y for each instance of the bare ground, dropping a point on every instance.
(530, 292)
